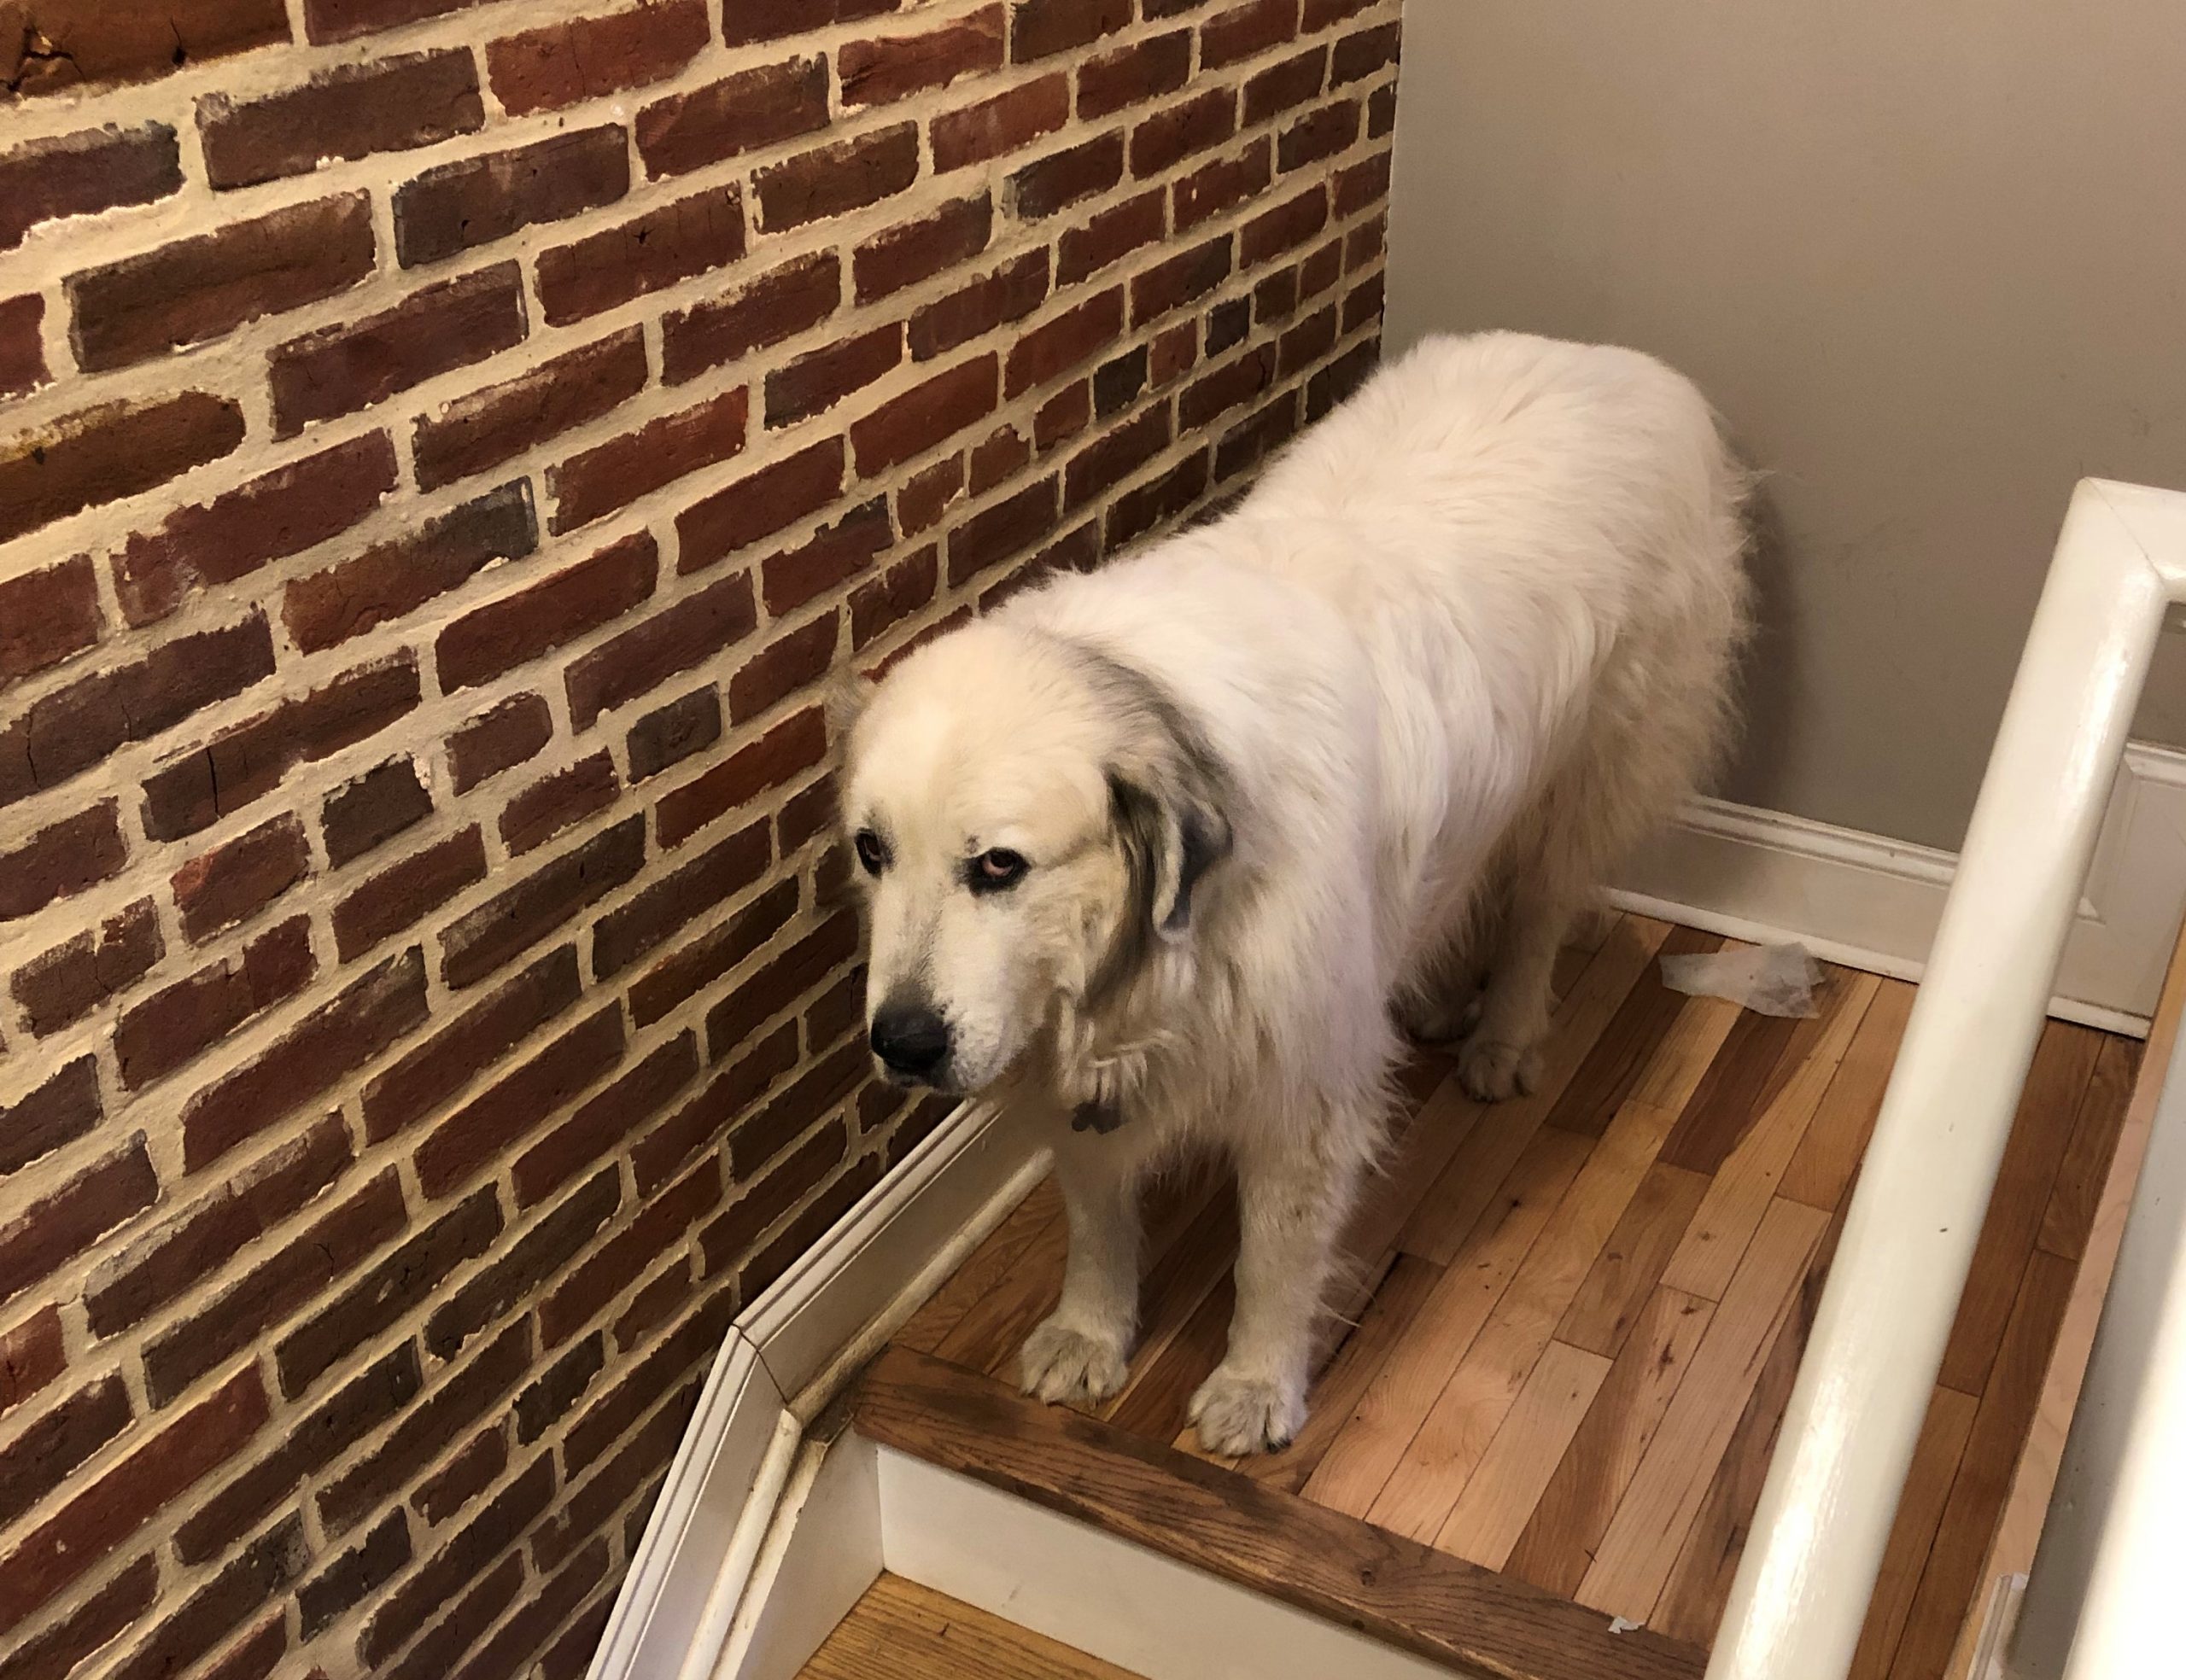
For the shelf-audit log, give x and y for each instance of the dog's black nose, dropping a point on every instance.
(911, 1038)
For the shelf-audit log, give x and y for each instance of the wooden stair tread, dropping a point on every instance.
(1262, 1537)
(901, 1631)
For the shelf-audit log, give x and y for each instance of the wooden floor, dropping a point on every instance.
(1576, 1317)
(900, 1630)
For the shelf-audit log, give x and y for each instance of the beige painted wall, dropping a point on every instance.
(1929, 258)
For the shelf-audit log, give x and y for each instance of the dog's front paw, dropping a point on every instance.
(1491, 1071)
(1440, 1020)
(1237, 1414)
(1063, 1364)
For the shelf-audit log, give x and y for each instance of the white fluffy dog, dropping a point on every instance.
(1170, 844)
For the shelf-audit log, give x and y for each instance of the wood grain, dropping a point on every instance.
(1610, 1067)
(2085, 1168)
(990, 1329)
(1624, 1274)
(1493, 1512)
(900, 1630)
(1828, 1156)
(1913, 1532)
(982, 1270)
(1391, 1589)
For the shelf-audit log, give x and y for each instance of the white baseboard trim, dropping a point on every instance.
(784, 1358)
(1873, 904)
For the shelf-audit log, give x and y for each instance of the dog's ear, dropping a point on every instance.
(848, 695)
(1172, 834)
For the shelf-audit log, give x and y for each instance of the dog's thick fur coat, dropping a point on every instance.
(1282, 781)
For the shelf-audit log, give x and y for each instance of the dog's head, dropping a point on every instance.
(1031, 819)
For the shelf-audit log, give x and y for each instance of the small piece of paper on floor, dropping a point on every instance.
(1769, 979)
(1618, 1624)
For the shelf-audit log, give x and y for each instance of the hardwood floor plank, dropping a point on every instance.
(982, 1270)
(1744, 1185)
(1617, 1290)
(1951, 1582)
(1409, 1171)
(1420, 1600)
(1157, 1400)
(900, 1630)
(1913, 1532)
(992, 1327)
(1640, 1546)
(1450, 1209)
(1178, 1282)
(1762, 1055)
(1386, 1320)
(1611, 1065)
(1358, 1462)
(1579, 1499)
(1453, 1437)
(2085, 1168)
(2064, 1064)
(1493, 1512)
(1828, 1156)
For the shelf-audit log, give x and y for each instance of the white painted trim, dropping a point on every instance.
(784, 1358)
(822, 1554)
(1874, 904)
(1105, 1595)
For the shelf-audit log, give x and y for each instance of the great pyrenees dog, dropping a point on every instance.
(1178, 846)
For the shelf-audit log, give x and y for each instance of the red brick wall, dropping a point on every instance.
(443, 446)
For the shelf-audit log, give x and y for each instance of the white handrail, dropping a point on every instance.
(1801, 1589)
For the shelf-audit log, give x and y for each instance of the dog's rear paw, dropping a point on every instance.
(1240, 1415)
(1441, 1020)
(1495, 1072)
(1063, 1365)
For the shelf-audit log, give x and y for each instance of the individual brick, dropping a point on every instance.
(926, 495)
(388, 1291)
(642, 256)
(343, 369)
(108, 44)
(183, 1020)
(543, 1404)
(557, 801)
(780, 304)
(482, 429)
(690, 632)
(1133, 75)
(60, 860)
(746, 24)
(1249, 442)
(1318, 134)
(1245, 30)
(350, 111)
(401, 894)
(1283, 87)
(878, 606)
(1112, 457)
(671, 903)
(45, 1232)
(816, 809)
(612, 475)
(60, 1109)
(1012, 292)
(443, 1064)
(1138, 511)
(1230, 386)
(1364, 51)
(688, 970)
(564, 64)
(73, 728)
(1306, 343)
(1010, 528)
(391, 579)
(458, 207)
(83, 173)
(22, 344)
(1362, 184)
(517, 628)
(273, 1290)
(1227, 324)
(1067, 340)
(234, 880)
(1063, 177)
(816, 381)
(176, 1257)
(1340, 377)
(1222, 185)
(1007, 122)
(886, 67)
(31, 1357)
(1382, 111)
(100, 455)
(364, 1018)
(98, 1519)
(1108, 236)
(463, 1477)
(760, 503)
(669, 734)
(600, 1125)
(914, 251)
(275, 515)
(61, 987)
(1042, 28)
(361, 813)
(1285, 227)
(835, 554)
(1006, 453)
(480, 940)
(1179, 280)
(498, 737)
(832, 180)
(742, 113)
(202, 287)
(1174, 133)
(67, 1641)
(795, 744)
(908, 425)
(363, 1569)
(518, 1102)
(785, 665)
(793, 1111)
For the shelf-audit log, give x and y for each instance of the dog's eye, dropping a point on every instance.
(995, 869)
(871, 851)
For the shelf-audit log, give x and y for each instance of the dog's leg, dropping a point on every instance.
(1082, 1351)
(1501, 1057)
(1292, 1198)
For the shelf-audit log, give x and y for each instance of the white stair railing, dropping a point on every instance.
(1802, 1591)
